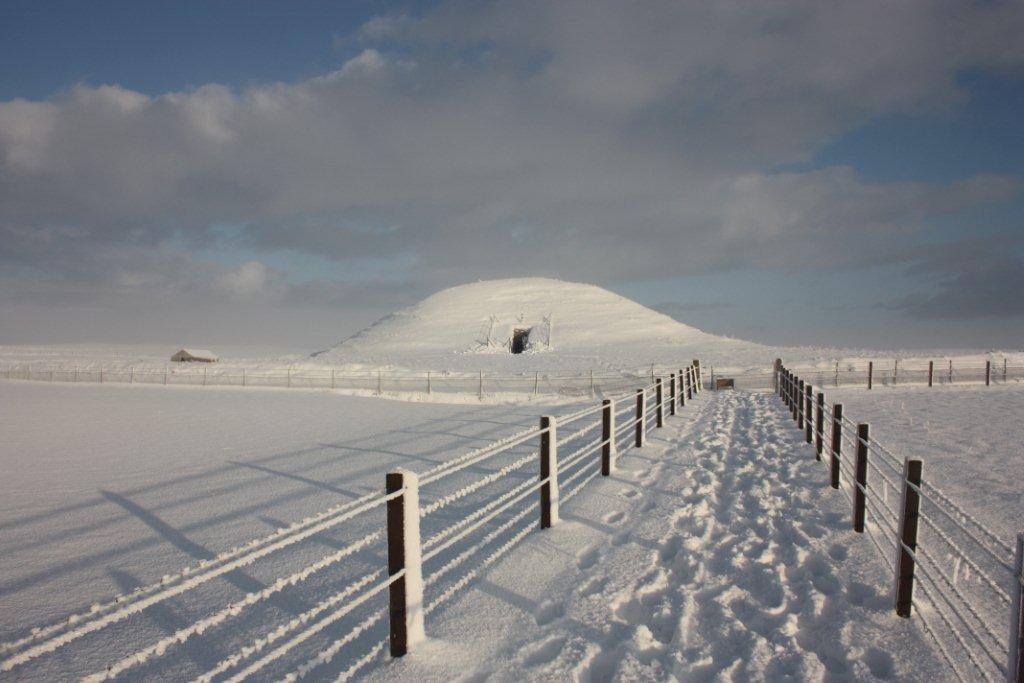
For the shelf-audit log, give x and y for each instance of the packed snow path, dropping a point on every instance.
(717, 552)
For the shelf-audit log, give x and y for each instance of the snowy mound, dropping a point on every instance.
(517, 323)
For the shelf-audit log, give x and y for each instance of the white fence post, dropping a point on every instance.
(549, 471)
(404, 553)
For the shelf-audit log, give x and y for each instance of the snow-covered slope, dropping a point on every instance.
(471, 326)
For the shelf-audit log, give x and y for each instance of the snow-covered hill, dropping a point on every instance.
(568, 325)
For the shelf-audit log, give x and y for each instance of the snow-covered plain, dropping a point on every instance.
(716, 551)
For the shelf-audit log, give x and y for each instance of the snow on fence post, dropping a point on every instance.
(690, 381)
(640, 407)
(860, 477)
(682, 388)
(548, 472)
(607, 437)
(800, 407)
(697, 374)
(405, 607)
(988, 373)
(931, 371)
(820, 426)
(809, 413)
(837, 443)
(906, 540)
(672, 393)
(659, 410)
(1015, 663)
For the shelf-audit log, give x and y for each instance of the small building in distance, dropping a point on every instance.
(194, 356)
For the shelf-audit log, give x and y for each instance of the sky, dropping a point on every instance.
(847, 174)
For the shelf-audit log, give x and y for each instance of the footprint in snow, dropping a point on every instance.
(588, 558)
(613, 517)
(547, 612)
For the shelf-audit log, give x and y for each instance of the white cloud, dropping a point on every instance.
(574, 138)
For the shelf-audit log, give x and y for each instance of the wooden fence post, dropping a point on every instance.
(809, 413)
(404, 553)
(931, 371)
(871, 372)
(690, 381)
(907, 537)
(860, 477)
(800, 407)
(794, 385)
(895, 369)
(837, 443)
(697, 375)
(776, 369)
(1015, 665)
(682, 388)
(1004, 371)
(607, 437)
(988, 373)
(640, 407)
(659, 404)
(672, 394)
(536, 382)
(549, 471)
(820, 426)
(950, 370)
(837, 373)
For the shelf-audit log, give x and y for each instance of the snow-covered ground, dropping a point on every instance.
(716, 551)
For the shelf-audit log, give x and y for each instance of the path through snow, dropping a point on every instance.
(715, 553)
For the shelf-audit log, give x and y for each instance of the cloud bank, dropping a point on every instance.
(588, 140)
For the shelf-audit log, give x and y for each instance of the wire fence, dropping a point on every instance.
(476, 507)
(379, 382)
(884, 373)
(968, 579)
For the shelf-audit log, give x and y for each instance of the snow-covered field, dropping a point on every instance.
(715, 551)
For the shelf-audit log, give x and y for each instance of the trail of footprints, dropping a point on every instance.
(734, 580)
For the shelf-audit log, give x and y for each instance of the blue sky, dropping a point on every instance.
(790, 173)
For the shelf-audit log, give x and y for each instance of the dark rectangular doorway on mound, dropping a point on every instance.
(520, 337)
